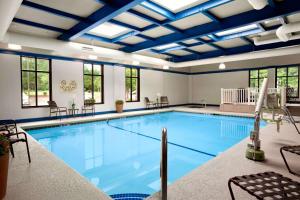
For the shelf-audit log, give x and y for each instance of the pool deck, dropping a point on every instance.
(48, 177)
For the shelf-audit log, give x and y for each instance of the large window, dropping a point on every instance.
(132, 81)
(288, 77)
(36, 81)
(93, 82)
(256, 77)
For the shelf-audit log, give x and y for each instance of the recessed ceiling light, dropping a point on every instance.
(135, 62)
(166, 46)
(222, 66)
(237, 30)
(108, 29)
(93, 57)
(14, 46)
(175, 5)
(166, 67)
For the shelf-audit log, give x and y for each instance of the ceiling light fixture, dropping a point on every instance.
(108, 29)
(14, 46)
(175, 5)
(166, 67)
(237, 30)
(222, 66)
(135, 62)
(166, 46)
(93, 57)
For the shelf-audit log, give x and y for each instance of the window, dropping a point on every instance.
(132, 82)
(93, 82)
(288, 77)
(256, 77)
(35, 81)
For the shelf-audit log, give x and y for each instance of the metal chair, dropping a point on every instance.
(55, 109)
(164, 101)
(149, 103)
(267, 185)
(290, 149)
(89, 105)
(9, 129)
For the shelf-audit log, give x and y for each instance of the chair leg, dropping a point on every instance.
(11, 150)
(286, 163)
(27, 147)
(230, 190)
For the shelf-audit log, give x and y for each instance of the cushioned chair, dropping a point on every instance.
(10, 130)
(54, 109)
(89, 105)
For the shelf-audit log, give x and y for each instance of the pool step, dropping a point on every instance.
(129, 196)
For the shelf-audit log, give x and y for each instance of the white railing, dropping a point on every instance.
(246, 96)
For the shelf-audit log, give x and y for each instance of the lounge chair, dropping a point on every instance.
(89, 105)
(9, 129)
(149, 103)
(267, 185)
(56, 110)
(164, 101)
(290, 149)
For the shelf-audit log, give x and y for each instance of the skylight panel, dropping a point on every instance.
(237, 30)
(174, 5)
(167, 46)
(108, 30)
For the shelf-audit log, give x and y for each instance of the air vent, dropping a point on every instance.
(87, 49)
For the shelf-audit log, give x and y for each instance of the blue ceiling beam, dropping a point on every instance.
(238, 50)
(211, 16)
(51, 10)
(104, 14)
(71, 16)
(60, 30)
(284, 8)
(38, 25)
(124, 36)
(158, 9)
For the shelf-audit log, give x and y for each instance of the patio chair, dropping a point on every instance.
(89, 105)
(164, 101)
(293, 150)
(266, 185)
(9, 129)
(56, 110)
(149, 103)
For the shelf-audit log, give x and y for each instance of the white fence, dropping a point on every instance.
(246, 96)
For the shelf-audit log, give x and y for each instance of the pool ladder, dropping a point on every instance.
(164, 164)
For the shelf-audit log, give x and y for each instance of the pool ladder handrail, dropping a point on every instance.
(164, 164)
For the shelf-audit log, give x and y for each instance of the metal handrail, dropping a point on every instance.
(164, 164)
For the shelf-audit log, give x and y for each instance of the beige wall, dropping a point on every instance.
(175, 86)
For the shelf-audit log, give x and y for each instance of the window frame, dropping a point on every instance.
(36, 83)
(92, 76)
(257, 79)
(138, 84)
(287, 78)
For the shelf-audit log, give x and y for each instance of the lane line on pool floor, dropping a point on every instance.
(157, 139)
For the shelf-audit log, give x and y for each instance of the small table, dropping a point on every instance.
(73, 111)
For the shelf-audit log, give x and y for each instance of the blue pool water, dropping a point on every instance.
(123, 155)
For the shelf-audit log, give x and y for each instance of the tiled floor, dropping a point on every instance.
(47, 177)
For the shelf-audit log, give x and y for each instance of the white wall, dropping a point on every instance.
(175, 86)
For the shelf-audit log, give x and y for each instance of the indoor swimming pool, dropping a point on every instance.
(122, 156)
